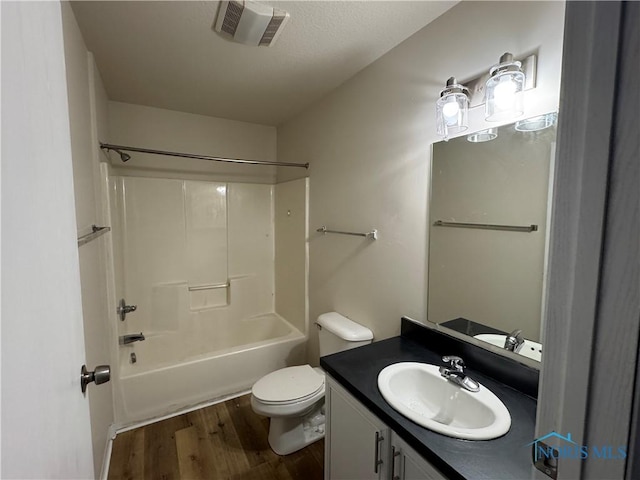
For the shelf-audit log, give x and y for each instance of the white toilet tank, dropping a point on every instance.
(338, 333)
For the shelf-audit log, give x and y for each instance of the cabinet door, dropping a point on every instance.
(356, 442)
(407, 464)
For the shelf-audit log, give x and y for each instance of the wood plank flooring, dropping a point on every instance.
(220, 442)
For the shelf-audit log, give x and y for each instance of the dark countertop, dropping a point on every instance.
(506, 457)
(469, 327)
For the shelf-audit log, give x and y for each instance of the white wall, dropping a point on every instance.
(45, 417)
(160, 129)
(291, 264)
(369, 141)
(86, 98)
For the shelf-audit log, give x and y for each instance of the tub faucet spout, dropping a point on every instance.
(127, 339)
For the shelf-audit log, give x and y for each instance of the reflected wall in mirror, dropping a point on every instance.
(488, 235)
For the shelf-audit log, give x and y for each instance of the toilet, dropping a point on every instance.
(293, 397)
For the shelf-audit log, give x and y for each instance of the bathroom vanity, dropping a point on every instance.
(367, 439)
(360, 445)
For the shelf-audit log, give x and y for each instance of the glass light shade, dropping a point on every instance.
(504, 92)
(534, 124)
(452, 114)
(483, 136)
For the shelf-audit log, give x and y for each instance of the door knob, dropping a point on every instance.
(101, 374)
(123, 309)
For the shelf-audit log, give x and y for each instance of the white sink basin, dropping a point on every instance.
(420, 393)
(530, 349)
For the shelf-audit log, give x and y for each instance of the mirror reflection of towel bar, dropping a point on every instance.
(209, 287)
(488, 226)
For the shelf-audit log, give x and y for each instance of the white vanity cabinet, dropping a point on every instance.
(407, 464)
(359, 446)
(356, 441)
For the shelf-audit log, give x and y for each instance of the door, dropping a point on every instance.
(357, 441)
(591, 336)
(86, 109)
(407, 464)
(45, 417)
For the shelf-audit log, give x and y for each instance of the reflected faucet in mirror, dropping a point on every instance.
(528, 348)
(514, 341)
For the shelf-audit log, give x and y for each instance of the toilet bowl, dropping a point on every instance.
(293, 397)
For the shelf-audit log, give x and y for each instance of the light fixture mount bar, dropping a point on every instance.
(476, 85)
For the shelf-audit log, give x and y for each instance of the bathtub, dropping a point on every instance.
(216, 356)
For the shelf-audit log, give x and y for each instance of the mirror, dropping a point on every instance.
(488, 233)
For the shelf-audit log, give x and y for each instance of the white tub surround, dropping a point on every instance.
(172, 374)
(198, 260)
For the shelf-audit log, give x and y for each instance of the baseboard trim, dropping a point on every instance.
(106, 461)
(114, 429)
(118, 429)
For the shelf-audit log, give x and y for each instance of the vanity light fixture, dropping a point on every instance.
(452, 109)
(535, 124)
(500, 90)
(504, 87)
(483, 135)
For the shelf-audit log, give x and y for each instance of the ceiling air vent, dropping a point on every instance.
(231, 18)
(251, 23)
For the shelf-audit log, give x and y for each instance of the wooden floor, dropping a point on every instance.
(223, 441)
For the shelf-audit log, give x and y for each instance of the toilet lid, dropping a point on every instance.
(288, 384)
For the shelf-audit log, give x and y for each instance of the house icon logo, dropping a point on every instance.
(565, 447)
(542, 450)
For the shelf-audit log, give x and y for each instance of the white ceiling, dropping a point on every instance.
(167, 55)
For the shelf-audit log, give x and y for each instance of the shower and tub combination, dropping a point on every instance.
(198, 261)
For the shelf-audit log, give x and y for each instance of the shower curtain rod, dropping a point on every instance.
(125, 157)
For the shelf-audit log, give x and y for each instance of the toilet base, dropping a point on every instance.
(290, 434)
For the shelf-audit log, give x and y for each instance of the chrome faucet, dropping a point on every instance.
(127, 339)
(455, 374)
(514, 341)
